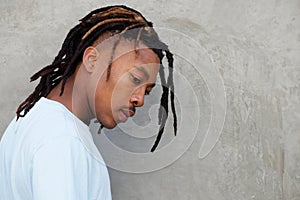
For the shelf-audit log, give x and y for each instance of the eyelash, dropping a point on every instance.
(136, 80)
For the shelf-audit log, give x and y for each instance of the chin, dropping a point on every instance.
(110, 125)
(107, 122)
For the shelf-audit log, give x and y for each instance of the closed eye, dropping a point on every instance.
(136, 80)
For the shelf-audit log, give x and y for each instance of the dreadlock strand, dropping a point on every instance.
(137, 41)
(162, 100)
(161, 130)
(31, 99)
(112, 57)
(163, 117)
(170, 83)
(58, 62)
(119, 10)
(101, 23)
(174, 113)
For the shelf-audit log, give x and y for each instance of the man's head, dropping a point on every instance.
(133, 75)
(130, 62)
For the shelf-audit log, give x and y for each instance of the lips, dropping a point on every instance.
(129, 112)
(126, 113)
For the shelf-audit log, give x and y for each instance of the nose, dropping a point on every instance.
(137, 98)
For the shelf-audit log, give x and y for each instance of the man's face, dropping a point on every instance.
(132, 76)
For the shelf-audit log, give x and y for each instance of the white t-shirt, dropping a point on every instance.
(50, 154)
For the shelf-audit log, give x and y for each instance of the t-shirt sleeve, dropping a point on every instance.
(60, 170)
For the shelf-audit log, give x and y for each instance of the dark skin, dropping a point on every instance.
(119, 22)
(87, 94)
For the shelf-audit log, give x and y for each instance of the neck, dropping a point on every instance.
(73, 99)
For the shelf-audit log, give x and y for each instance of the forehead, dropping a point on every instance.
(136, 56)
(142, 53)
(145, 56)
(128, 55)
(145, 61)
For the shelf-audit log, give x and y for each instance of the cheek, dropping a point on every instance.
(103, 97)
(122, 92)
(102, 100)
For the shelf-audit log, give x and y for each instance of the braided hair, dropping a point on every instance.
(114, 20)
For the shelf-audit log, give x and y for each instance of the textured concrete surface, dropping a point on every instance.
(254, 47)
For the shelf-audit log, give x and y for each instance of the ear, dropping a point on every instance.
(90, 56)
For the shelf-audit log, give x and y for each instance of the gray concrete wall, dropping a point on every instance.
(240, 62)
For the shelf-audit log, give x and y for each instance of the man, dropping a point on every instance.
(106, 65)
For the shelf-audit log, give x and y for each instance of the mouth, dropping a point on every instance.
(126, 113)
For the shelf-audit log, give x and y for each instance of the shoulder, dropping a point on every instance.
(49, 118)
(45, 122)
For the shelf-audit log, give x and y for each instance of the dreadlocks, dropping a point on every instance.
(113, 20)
